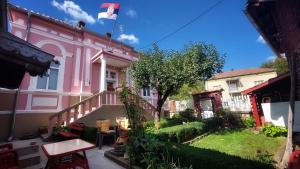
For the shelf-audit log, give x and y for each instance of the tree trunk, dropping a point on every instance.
(289, 142)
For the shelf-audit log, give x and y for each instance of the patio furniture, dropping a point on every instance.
(76, 129)
(9, 160)
(105, 129)
(5, 148)
(65, 154)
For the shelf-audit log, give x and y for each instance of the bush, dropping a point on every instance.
(185, 132)
(274, 131)
(169, 122)
(229, 119)
(208, 159)
(187, 115)
(249, 122)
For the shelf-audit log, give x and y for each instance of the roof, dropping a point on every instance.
(266, 83)
(62, 23)
(242, 72)
(260, 15)
(208, 91)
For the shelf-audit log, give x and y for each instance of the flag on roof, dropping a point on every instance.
(111, 12)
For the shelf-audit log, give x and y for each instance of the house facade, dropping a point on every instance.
(89, 63)
(234, 82)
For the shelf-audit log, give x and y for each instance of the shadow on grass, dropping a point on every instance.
(210, 159)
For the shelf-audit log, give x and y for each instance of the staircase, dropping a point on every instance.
(87, 106)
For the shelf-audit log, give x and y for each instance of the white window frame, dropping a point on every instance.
(258, 82)
(148, 92)
(48, 78)
(60, 80)
(114, 80)
(233, 82)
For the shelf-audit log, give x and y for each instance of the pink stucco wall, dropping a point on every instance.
(63, 42)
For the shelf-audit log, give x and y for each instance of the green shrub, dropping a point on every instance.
(249, 122)
(187, 115)
(169, 122)
(229, 119)
(211, 159)
(185, 132)
(274, 131)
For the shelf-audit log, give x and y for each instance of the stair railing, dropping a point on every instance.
(82, 108)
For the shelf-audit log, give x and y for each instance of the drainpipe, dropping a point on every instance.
(28, 26)
(13, 120)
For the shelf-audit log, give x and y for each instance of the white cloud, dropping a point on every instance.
(271, 58)
(260, 39)
(74, 10)
(131, 38)
(131, 13)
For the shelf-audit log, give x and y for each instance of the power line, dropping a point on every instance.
(186, 24)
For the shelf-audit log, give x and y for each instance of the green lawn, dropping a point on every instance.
(242, 143)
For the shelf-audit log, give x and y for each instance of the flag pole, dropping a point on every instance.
(112, 32)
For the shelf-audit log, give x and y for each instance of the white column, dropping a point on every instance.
(103, 75)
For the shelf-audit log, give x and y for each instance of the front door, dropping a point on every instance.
(206, 108)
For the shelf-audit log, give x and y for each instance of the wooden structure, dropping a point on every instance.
(278, 22)
(215, 97)
(274, 90)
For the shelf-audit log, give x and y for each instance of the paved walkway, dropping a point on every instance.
(95, 156)
(98, 161)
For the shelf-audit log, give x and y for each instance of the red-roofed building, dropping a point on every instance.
(234, 82)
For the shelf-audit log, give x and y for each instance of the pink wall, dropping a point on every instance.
(65, 41)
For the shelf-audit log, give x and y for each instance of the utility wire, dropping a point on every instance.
(186, 24)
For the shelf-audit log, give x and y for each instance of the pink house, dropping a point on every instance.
(90, 64)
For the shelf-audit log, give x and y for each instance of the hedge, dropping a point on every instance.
(185, 132)
(211, 159)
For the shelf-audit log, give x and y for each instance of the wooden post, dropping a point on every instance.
(289, 142)
(255, 110)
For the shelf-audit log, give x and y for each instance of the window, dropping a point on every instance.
(146, 92)
(233, 85)
(49, 82)
(216, 87)
(258, 82)
(111, 75)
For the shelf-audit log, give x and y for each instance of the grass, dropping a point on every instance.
(241, 143)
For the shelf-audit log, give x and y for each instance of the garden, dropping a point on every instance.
(184, 141)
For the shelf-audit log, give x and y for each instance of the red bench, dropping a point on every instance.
(76, 129)
(8, 157)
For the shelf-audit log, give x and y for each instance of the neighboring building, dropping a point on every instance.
(89, 63)
(234, 82)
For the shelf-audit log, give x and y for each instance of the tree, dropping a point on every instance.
(167, 71)
(279, 64)
(186, 91)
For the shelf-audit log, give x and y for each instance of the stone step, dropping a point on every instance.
(29, 160)
(26, 150)
(37, 166)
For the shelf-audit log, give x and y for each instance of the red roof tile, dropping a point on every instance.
(242, 72)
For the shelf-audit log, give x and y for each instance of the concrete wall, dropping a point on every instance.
(277, 113)
(26, 124)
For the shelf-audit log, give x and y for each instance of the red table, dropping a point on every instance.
(66, 154)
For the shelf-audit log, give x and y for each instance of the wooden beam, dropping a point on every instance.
(3, 15)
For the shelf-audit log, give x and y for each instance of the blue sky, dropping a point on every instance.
(144, 21)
